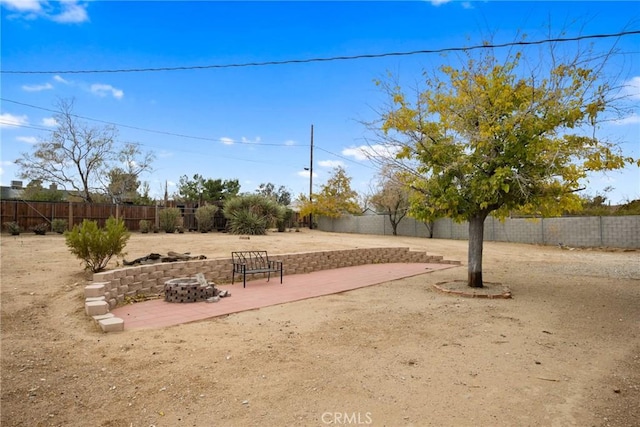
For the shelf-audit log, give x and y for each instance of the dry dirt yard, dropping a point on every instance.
(565, 351)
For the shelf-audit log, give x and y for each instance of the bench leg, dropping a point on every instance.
(244, 280)
(281, 276)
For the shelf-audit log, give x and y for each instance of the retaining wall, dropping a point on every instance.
(115, 285)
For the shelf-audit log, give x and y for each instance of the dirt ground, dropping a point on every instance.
(564, 351)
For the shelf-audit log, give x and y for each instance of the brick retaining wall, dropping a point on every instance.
(115, 285)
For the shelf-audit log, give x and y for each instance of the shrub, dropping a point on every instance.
(169, 219)
(251, 214)
(95, 246)
(145, 225)
(204, 217)
(12, 227)
(285, 220)
(41, 228)
(59, 225)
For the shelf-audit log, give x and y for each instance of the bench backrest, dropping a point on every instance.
(253, 260)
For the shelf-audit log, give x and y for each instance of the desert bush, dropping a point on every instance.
(59, 225)
(145, 225)
(96, 246)
(12, 227)
(169, 219)
(285, 220)
(41, 229)
(204, 217)
(251, 214)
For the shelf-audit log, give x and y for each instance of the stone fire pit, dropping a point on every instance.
(188, 289)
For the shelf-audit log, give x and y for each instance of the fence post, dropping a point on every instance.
(70, 215)
(157, 219)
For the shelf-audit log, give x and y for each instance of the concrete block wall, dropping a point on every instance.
(613, 231)
(621, 231)
(115, 285)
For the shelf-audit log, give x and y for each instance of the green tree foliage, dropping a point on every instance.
(252, 214)
(96, 246)
(336, 198)
(34, 191)
(198, 189)
(76, 157)
(205, 217)
(282, 195)
(392, 197)
(143, 195)
(492, 136)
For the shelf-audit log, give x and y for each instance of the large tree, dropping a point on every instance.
(494, 135)
(76, 157)
(199, 189)
(282, 195)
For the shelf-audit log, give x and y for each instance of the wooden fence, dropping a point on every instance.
(28, 213)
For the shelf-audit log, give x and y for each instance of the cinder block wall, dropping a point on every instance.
(150, 279)
(612, 231)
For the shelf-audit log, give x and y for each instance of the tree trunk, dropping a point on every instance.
(476, 238)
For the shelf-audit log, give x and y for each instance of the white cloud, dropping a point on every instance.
(226, 141)
(71, 13)
(103, 90)
(60, 80)
(27, 139)
(305, 174)
(365, 152)
(330, 163)
(630, 120)
(49, 122)
(64, 11)
(632, 88)
(439, 2)
(256, 140)
(289, 142)
(22, 5)
(37, 88)
(10, 120)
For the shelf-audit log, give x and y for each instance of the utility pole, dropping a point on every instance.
(311, 182)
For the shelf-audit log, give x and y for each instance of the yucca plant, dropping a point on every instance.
(251, 214)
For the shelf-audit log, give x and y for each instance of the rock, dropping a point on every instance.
(213, 299)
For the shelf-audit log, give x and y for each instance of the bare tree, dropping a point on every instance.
(392, 197)
(77, 157)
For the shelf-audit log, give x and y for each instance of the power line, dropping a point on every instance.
(334, 58)
(202, 138)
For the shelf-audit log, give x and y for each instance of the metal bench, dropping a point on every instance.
(253, 262)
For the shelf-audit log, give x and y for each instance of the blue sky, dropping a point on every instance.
(253, 123)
